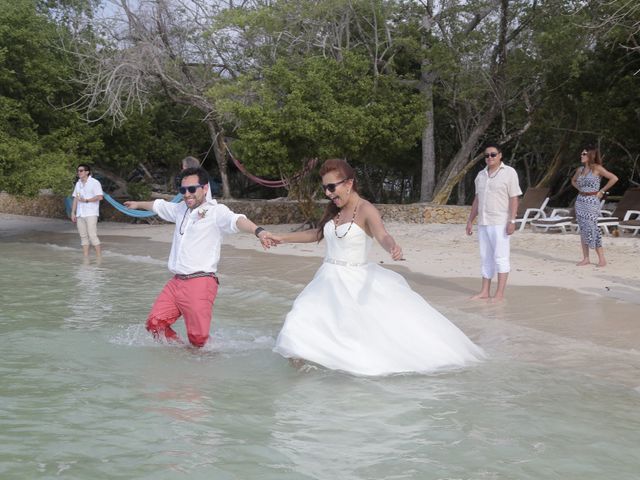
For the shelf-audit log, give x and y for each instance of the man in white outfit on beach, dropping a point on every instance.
(86, 209)
(496, 206)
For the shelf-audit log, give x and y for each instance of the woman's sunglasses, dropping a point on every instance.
(492, 155)
(332, 186)
(190, 189)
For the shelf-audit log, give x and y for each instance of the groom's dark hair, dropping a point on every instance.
(203, 175)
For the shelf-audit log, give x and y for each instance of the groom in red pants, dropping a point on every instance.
(195, 253)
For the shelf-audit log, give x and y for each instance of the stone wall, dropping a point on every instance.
(263, 212)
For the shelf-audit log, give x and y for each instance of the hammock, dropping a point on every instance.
(68, 203)
(272, 183)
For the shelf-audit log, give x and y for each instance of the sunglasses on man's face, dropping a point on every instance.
(332, 186)
(190, 189)
(492, 155)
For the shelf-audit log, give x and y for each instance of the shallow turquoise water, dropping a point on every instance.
(85, 393)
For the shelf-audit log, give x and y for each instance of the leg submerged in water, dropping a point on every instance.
(162, 329)
(164, 314)
(196, 299)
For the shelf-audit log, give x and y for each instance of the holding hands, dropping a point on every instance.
(268, 239)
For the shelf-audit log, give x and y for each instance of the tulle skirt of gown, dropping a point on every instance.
(367, 320)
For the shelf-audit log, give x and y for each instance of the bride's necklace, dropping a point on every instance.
(337, 219)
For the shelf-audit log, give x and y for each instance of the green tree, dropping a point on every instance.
(40, 141)
(323, 108)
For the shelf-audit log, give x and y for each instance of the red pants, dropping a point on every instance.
(193, 299)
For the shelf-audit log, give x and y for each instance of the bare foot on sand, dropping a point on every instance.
(583, 262)
(480, 296)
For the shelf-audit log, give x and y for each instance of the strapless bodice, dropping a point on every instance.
(353, 248)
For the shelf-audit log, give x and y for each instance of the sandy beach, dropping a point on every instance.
(438, 250)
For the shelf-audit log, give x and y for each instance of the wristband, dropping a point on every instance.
(257, 231)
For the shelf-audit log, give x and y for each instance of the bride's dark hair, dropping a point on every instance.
(347, 172)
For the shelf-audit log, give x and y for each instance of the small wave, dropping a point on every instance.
(135, 258)
(134, 335)
(53, 246)
(222, 341)
(109, 254)
(238, 340)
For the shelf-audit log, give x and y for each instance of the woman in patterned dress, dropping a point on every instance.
(587, 181)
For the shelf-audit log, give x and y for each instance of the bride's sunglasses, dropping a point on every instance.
(332, 186)
(190, 189)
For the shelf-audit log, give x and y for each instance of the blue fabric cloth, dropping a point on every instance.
(68, 203)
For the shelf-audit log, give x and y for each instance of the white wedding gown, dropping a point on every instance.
(364, 319)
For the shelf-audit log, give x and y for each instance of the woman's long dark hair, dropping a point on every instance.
(346, 171)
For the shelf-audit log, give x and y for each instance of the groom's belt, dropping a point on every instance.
(343, 263)
(189, 276)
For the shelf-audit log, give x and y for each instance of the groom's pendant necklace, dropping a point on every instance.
(494, 175)
(353, 219)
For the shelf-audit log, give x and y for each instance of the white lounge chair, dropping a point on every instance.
(532, 206)
(562, 219)
(631, 222)
(559, 219)
(625, 214)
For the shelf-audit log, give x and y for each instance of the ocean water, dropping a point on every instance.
(86, 393)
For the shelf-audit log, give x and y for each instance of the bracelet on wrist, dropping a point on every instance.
(257, 231)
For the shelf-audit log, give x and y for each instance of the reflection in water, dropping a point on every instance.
(90, 310)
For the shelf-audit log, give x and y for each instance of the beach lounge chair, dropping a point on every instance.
(532, 206)
(563, 219)
(631, 222)
(625, 215)
(560, 219)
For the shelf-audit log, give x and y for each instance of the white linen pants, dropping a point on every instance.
(494, 249)
(88, 230)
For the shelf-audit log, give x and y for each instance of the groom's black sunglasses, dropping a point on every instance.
(190, 189)
(332, 186)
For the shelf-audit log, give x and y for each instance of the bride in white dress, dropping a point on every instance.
(357, 316)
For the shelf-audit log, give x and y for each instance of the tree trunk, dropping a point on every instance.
(427, 79)
(428, 180)
(556, 163)
(460, 163)
(462, 192)
(220, 153)
(120, 182)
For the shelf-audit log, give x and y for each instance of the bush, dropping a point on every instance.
(139, 191)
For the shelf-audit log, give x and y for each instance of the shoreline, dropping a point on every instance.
(438, 250)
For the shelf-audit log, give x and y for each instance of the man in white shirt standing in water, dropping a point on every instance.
(86, 209)
(194, 257)
(496, 206)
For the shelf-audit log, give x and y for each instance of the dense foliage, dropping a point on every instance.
(281, 82)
